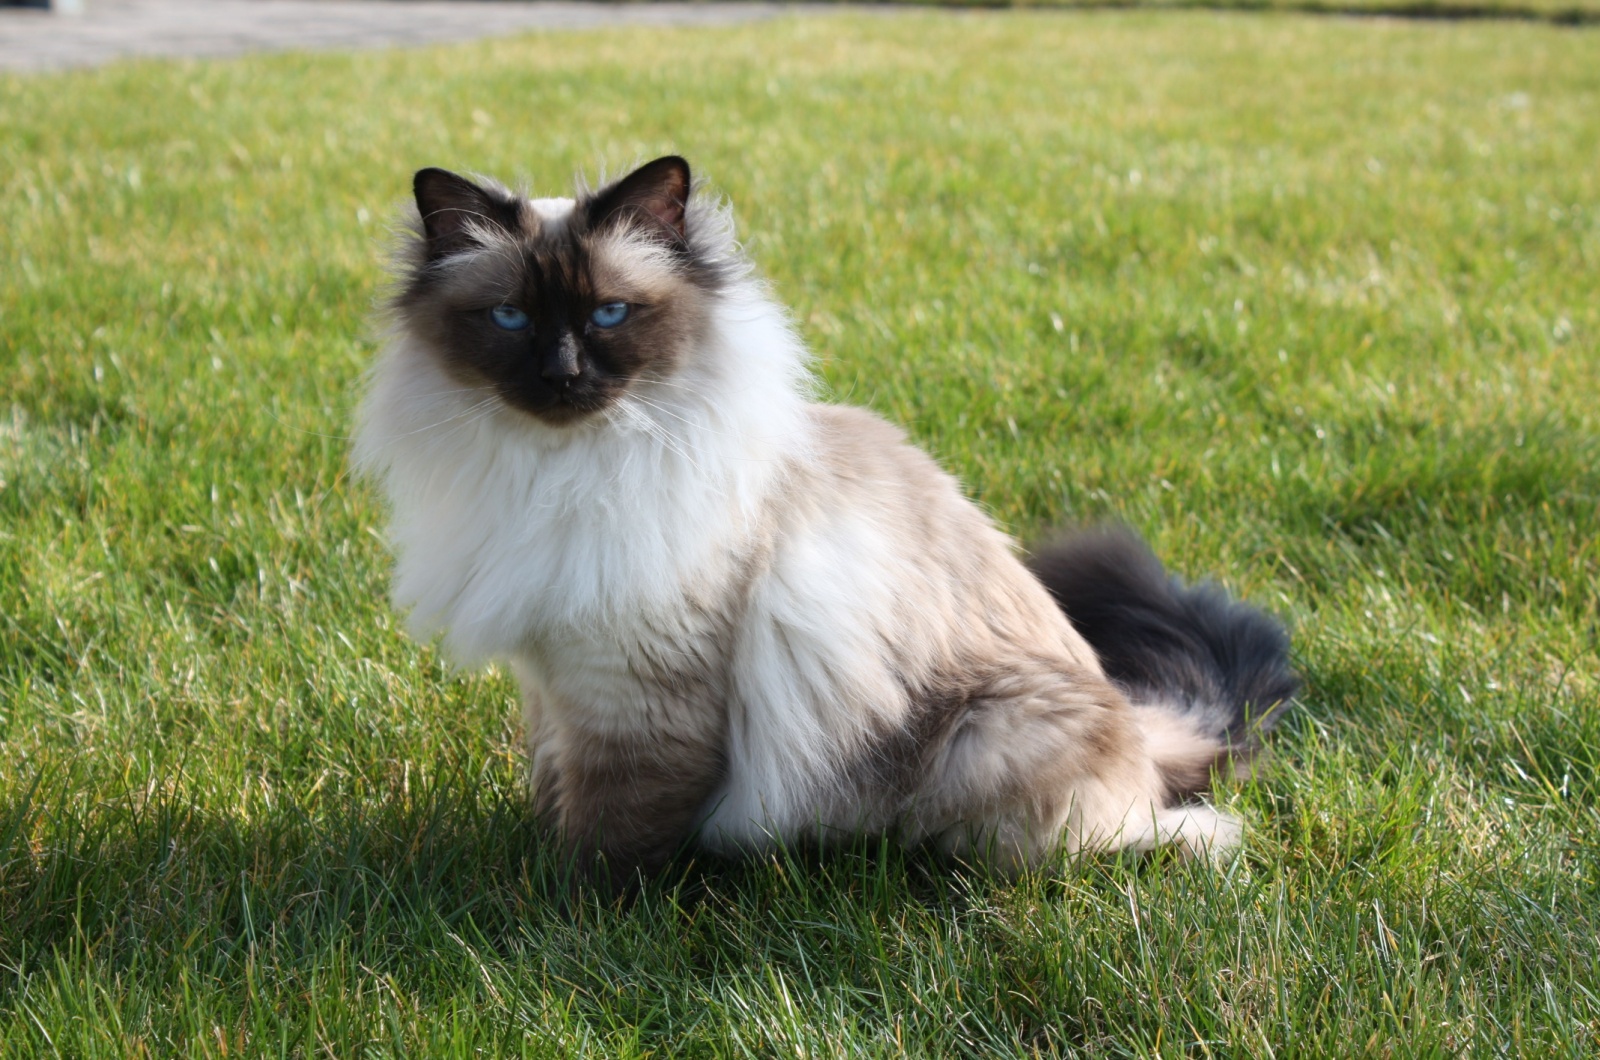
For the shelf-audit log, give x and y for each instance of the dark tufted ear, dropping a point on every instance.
(652, 196)
(451, 206)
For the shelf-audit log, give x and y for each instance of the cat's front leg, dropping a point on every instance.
(541, 739)
(625, 804)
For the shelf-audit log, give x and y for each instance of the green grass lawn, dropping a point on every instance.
(1311, 303)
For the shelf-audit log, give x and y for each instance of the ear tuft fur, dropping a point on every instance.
(655, 196)
(454, 210)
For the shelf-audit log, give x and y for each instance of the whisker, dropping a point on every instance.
(346, 408)
(642, 421)
(485, 404)
(310, 433)
(439, 439)
(685, 387)
(459, 390)
(699, 426)
(696, 391)
(682, 419)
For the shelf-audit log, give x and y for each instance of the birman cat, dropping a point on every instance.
(740, 617)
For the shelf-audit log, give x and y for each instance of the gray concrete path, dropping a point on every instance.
(35, 39)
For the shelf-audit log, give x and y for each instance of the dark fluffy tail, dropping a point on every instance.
(1191, 649)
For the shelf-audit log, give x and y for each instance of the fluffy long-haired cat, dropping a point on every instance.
(739, 616)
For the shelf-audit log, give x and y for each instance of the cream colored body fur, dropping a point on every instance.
(780, 601)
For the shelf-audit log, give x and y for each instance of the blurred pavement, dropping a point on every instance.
(35, 39)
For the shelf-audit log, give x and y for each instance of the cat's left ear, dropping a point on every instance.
(455, 211)
(655, 195)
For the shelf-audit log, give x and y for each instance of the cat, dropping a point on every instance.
(740, 617)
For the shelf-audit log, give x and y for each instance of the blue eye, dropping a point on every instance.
(508, 317)
(610, 315)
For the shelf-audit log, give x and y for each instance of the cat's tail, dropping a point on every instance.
(1209, 675)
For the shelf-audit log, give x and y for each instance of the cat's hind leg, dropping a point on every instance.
(1038, 759)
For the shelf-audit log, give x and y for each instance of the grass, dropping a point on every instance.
(1310, 303)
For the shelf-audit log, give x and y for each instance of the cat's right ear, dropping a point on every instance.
(655, 196)
(454, 211)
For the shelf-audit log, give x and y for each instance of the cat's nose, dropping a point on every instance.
(561, 361)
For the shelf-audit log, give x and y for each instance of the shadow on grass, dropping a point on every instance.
(446, 897)
(1496, 517)
(159, 867)
(452, 891)
(453, 888)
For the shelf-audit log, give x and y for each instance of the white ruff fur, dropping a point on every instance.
(506, 528)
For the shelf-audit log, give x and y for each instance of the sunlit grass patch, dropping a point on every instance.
(1308, 302)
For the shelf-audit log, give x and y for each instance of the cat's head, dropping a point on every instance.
(560, 306)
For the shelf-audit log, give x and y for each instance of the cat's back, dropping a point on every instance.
(865, 465)
(855, 448)
(884, 538)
